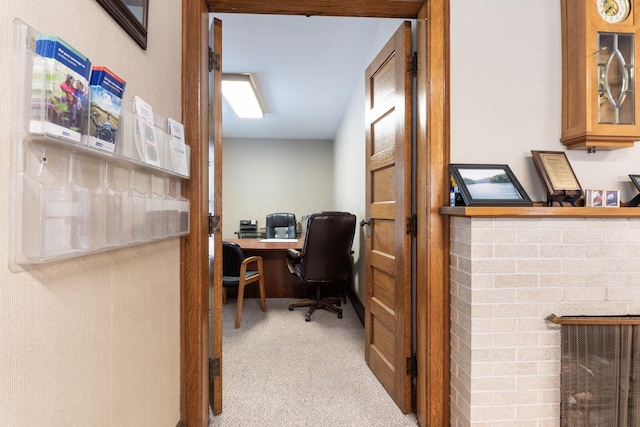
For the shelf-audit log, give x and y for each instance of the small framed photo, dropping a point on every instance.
(636, 180)
(488, 185)
(602, 198)
(612, 198)
(594, 198)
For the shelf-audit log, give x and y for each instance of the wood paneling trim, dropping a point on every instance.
(194, 266)
(540, 212)
(432, 243)
(365, 8)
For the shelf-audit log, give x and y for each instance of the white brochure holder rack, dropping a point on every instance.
(69, 198)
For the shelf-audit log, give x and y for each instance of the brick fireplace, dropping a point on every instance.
(507, 275)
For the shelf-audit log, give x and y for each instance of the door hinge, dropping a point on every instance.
(412, 366)
(214, 367)
(414, 66)
(412, 225)
(214, 61)
(214, 224)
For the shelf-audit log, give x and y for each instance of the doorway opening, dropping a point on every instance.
(328, 35)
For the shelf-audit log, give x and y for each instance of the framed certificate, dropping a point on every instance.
(556, 172)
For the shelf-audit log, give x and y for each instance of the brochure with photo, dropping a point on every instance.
(106, 94)
(60, 89)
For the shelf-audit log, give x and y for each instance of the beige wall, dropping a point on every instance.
(506, 83)
(263, 176)
(94, 340)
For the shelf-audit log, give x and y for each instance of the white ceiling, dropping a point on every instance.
(305, 69)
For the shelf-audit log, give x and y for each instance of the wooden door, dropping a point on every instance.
(388, 188)
(215, 203)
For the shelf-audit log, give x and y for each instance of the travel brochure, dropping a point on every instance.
(106, 94)
(59, 91)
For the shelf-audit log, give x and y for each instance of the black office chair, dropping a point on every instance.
(280, 226)
(236, 275)
(325, 258)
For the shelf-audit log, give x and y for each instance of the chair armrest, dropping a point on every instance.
(249, 260)
(294, 257)
(294, 253)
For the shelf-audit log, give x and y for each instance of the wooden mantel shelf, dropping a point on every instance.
(540, 212)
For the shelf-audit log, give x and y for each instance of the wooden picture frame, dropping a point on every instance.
(556, 172)
(488, 185)
(132, 16)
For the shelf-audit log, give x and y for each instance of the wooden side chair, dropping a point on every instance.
(235, 274)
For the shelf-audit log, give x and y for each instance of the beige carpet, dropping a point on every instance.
(279, 370)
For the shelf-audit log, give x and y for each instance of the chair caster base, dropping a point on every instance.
(307, 318)
(290, 308)
(339, 315)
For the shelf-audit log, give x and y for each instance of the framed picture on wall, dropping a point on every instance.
(488, 185)
(131, 15)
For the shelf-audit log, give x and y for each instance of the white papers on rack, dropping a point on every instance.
(146, 133)
(178, 150)
(278, 240)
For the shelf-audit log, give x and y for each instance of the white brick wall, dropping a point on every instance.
(507, 276)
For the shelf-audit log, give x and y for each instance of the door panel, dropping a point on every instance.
(388, 248)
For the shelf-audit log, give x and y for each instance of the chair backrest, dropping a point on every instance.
(327, 247)
(232, 257)
(280, 226)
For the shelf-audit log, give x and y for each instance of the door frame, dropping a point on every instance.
(432, 188)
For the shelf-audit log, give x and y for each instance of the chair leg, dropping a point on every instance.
(239, 303)
(263, 302)
(224, 296)
(331, 304)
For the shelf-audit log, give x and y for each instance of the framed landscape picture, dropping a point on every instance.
(489, 185)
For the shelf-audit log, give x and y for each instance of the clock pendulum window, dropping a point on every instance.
(615, 66)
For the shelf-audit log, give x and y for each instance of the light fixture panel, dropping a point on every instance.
(241, 94)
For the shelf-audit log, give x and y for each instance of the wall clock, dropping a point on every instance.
(599, 93)
(614, 11)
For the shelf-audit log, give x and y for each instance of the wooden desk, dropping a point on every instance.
(278, 282)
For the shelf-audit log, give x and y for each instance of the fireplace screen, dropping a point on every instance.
(600, 373)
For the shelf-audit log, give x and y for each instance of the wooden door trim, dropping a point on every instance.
(433, 232)
(194, 248)
(432, 242)
(359, 8)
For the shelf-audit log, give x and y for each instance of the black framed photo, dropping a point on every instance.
(488, 185)
(635, 202)
(132, 16)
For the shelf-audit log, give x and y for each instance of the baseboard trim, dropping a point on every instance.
(357, 305)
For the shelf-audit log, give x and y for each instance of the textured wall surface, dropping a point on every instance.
(94, 340)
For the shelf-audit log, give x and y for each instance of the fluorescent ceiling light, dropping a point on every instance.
(240, 92)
